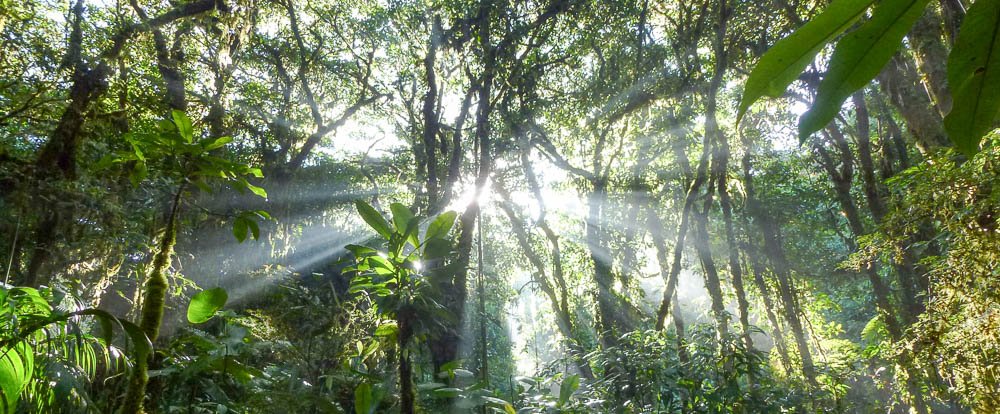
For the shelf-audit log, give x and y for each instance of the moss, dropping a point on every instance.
(154, 299)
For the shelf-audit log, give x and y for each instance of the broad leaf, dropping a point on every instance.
(183, 125)
(373, 218)
(240, 229)
(441, 225)
(16, 367)
(364, 401)
(204, 305)
(386, 329)
(974, 77)
(567, 388)
(784, 61)
(253, 189)
(858, 58)
(211, 144)
(401, 216)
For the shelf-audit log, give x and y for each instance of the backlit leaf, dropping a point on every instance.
(373, 218)
(204, 305)
(858, 58)
(974, 77)
(784, 61)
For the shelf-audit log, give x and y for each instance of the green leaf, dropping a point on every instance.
(254, 189)
(436, 248)
(858, 58)
(441, 225)
(401, 216)
(209, 144)
(204, 305)
(140, 342)
(386, 329)
(974, 77)
(447, 392)
(254, 229)
(373, 218)
(411, 233)
(567, 388)
(361, 251)
(784, 61)
(183, 123)
(364, 401)
(16, 367)
(240, 229)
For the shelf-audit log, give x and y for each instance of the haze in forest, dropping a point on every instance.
(544, 206)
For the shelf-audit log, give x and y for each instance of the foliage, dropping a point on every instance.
(51, 351)
(862, 53)
(958, 332)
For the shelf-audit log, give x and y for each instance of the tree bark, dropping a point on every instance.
(927, 40)
(431, 119)
(900, 81)
(711, 274)
(444, 347)
(153, 303)
(779, 264)
(57, 158)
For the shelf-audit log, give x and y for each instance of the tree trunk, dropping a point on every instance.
(926, 39)
(430, 116)
(57, 158)
(899, 80)
(779, 263)
(905, 269)
(444, 348)
(765, 296)
(611, 323)
(711, 274)
(721, 171)
(154, 300)
(558, 300)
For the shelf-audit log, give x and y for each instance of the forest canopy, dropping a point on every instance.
(535, 206)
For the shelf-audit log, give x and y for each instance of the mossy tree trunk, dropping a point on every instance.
(154, 299)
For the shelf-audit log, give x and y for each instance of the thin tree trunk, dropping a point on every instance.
(900, 81)
(765, 296)
(779, 263)
(711, 274)
(407, 397)
(153, 303)
(57, 158)
(558, 300)
(905, 269)
(444, 348)
(611, 322)
(721, 171)
(842, 180)
(666, 270)
(430, 115)
(927, 40)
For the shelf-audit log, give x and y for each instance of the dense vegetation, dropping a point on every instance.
(552, 206)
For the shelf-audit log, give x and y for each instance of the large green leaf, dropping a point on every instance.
(441, 225)
(204, 305)
(858, 58)
(974, 77)
(401, 216)
(567, 388)
(364, 399)
(183, 125)
(16, 367)
(373, 218)
(784, 61)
